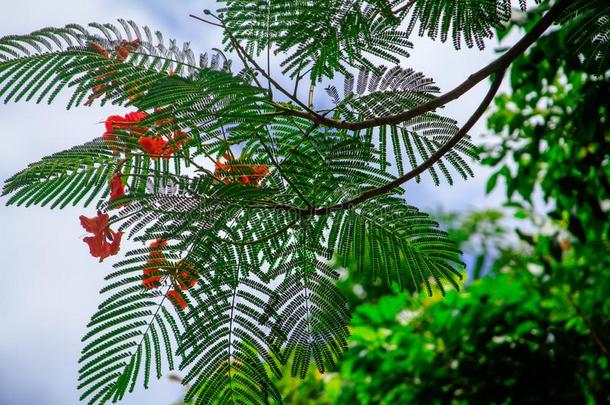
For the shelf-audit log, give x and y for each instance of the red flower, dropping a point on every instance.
(124, 123)
(152, 279)
(177, 299)
(123, 50)
(233, 170)
(117, 188)
(221, 167)
(104, 242)
(122, 53)
(99, 49)
(186, 275)
(259, 172)
(154, 252)
(95, 225)
(152, 276)
(154, 146)
(176, 142)
(133, 45)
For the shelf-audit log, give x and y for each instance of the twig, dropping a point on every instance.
(207, 21)
(266, 76)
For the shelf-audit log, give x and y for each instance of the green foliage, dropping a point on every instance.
(562, 144)
(130, 336)
(402, 244)
(320, 37)
(226, 344)
(391, 91)
(509, 339)
(64, 178)
(471, 21)
(311, 313)
(46, 62)
(256, 195)
(588, 31)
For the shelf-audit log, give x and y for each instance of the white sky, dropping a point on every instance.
(50, 282)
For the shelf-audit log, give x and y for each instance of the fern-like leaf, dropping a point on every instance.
(588, 31)
(471, 21)
(312, 313)
(389, 91)
(403, 245)
(131, 336)
(225, 346)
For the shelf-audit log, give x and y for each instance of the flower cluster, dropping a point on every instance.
(128, 123)
(156, 146)
(152, 142)
(181, 275)
(157, 143)
(236, 170)
(161, 139)
(104, 242)
(121, 53)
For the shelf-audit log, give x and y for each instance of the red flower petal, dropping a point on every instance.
(135, 116)
(152, 146)
(99, 49)
(186, 276)
(117, 188)
(96, 246)
(96, 225)
(113, 121)
(154, 252)
(122, 53)
(104, 242)
(176, 298)
(114, 247)
(151, 278)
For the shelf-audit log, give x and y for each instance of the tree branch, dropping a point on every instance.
(435, 157)
(497, 65)
(497, 68)
(207, 21)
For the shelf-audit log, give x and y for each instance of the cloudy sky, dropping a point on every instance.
(50, 282)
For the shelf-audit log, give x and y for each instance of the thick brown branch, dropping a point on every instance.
(497, 65)
(435, 157)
